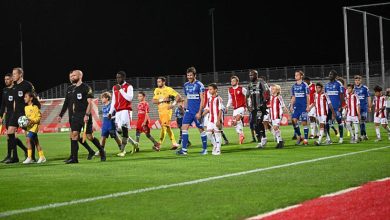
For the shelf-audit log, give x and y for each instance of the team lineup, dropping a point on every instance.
(315, 107)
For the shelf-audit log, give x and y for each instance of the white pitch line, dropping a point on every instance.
(192, 182)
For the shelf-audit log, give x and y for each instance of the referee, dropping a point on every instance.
(67, 106)
(81, 102)
(20, 87)
(6, 110)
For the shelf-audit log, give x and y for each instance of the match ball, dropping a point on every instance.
(23, 121)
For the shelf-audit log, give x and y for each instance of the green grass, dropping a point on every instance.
(24, 186)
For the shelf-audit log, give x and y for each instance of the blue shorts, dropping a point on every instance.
(363, 115)
(189, 118)
(32, 135)
(300, 114)
(338, 117)
(108, 128)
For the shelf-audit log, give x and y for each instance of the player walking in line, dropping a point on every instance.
(312, 112)
(194, 99)
(363, 93)
(236, 99)
(166, 98)
(108, 126)
(380, 113)
(300, 106)
(6, 110)
(335, 91)
(214, 108)
(322, 104)
(276, 113)
(257, 96)
(143, 122)
(353, 113)
(33, 114)
(267, 121)
(179, 114)
(122, 95)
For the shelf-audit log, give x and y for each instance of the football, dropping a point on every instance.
(23, 121)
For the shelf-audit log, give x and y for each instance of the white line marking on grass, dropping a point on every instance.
(277, 211)
(340, 192)
(192, 182)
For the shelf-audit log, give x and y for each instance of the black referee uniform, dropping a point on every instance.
(6, 110)
(79, 103)
(17, 93)
(68, 106)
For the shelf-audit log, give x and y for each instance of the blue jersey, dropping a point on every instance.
(300, 91)
(105, 111)
(193, 91)
(363, 93)
(333, 90)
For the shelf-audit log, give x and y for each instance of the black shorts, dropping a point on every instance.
(6, 120)
(77, 124)
(13, 119)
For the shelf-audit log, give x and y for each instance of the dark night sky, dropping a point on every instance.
(147, 38)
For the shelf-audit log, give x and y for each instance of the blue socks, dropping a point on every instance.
(306, 132)
(363, 129)
(341, 130)
(184, 142)
(203, 136)
(297, 130)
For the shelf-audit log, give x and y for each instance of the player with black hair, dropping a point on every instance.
(122, 95)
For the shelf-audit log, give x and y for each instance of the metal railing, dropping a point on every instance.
(275, 74)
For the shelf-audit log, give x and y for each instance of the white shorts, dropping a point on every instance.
(321, 119)
(312, 112)
(239, 111)
(267, 117)
(276, 122)
(122, 119)
(211, 126)
(353, 119)
(379, 120)
(206, 120)
(344, 113)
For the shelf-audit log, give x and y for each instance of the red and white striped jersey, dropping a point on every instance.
(379, 102)
(214, 105)
(352, 104)
(321, 102)
(276, 107)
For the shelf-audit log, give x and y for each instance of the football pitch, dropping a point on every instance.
(242, 182)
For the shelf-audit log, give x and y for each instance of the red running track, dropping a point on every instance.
(370, 201)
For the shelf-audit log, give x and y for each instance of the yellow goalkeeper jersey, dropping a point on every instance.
(163, 93)
(34, 116)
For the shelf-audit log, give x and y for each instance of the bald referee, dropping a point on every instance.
(68, 106)
(81, 100)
